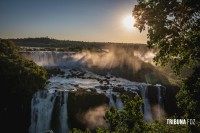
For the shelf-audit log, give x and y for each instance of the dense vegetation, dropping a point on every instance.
(174, 29)
(19, 79)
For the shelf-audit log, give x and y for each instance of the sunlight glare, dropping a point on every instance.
(129, 22)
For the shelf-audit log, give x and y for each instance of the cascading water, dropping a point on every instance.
(46, 104)
(49, 58)
(64, 114)
(119, 103)
(147, 107)
(160, 89)
(159, 101)
(42, 107)
(111, 101)
(43, 104)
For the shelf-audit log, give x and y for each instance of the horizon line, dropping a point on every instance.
(75, 40)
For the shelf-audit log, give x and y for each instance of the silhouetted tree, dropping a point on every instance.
(19, 79)
(174, 30)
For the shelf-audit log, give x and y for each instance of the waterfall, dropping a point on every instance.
(64, 114)
(49, 107)
(147, 107)
(42, 108)
(119, 103)
(111, 101)
(160, 101)
(49, 58)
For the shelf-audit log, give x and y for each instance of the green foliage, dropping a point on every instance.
(19, 79)
(131, 118)
(189, 98)
(102, 130)
(158, 127)
(75, 130)
(174, 30)
(18, 74)
(189, 95)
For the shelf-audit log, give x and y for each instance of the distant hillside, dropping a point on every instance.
(73, 45)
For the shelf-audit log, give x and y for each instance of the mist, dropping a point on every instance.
(116, 57)
(94, 117)
(158, 112)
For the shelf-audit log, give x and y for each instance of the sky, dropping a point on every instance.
(81, 20)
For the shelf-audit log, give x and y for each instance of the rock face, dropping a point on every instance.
(155, 94)
(170, 105)
(81, 101)
(119, 89)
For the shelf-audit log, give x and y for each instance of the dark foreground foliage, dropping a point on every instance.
(19, 79)
(173, 28)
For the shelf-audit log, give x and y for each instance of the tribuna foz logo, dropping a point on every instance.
(181, 121)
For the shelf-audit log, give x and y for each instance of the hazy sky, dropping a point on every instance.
(84, 20)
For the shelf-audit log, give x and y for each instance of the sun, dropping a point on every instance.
(129, 22)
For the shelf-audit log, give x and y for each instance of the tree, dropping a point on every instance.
(174, 30)
(19, 79)
(130, 120)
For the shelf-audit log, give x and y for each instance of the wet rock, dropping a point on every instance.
(107, 77)
(119, 89)
(76, 74)
(55, 122)
(76, 85)
(80, 74)
(114, 98)
(104, 81)
(101, 81)
(170, 103)
(54, 71)
(104, 87)
(62, 76)
(114, 80)
(73, 75)
(93, 90)
(152, 94)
